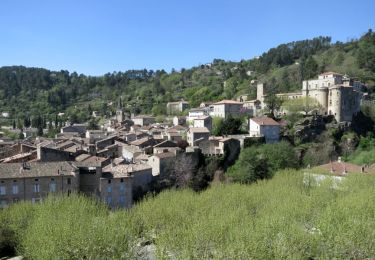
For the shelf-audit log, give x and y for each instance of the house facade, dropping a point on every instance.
(34, 181)
(177, 107)
(197, 133)
(264, 127)
(226, 108)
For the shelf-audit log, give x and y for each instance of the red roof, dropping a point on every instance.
(264, 121)
(340, 168)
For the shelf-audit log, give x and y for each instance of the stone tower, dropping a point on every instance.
(261, 91)
(119, 113)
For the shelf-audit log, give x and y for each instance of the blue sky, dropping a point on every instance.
(95, 37)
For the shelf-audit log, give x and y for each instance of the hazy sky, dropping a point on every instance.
(95, 37)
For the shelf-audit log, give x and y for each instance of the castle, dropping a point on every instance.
(337, 94)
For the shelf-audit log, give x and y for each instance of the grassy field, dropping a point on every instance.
(279, 218)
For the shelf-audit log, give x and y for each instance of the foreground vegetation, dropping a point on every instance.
(279, 218)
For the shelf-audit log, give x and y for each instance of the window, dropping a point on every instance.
(15, 188)
(2, 190)
(109, 189)
(109, 181)
(69, 181)
(36, 187)
(109, 200)
(52, 186)
(122, 187)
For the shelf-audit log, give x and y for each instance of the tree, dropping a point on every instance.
(256, 163)
(303, 104)
(93, 124)
(40, 131)
(228, 126)
(366, 52)
(273, 102)
(279, 156)
(309, 68)
(183, 170)
(250, 167)
(19, 124)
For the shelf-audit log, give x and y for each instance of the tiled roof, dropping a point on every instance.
(330, 73)
(340, 168)
(165, 155)
(35, 169)
(264, 121)
(199, 130)
(227, 101)
(140, 141)
(122, 170)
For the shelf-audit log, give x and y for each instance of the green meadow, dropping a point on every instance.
(270, 219)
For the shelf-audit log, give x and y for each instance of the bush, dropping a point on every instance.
(261, 162)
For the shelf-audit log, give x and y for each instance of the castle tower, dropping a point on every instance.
(335, 100)
(119, 112)
(261, 91)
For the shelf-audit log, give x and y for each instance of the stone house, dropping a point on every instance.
(34, 181)
(80, 129)
(129, 152)
(141, 173)
(166, 146)
(116, 188)
(162, 163)
(177, 107)
(226, 108)
(95, 135)
(264, 127)
(143, 120)
(179, 120)
(203, 121)
(197, 133)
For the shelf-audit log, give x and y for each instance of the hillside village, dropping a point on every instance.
(132, 154)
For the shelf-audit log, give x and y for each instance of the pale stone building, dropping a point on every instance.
(264, 127)
(177, 107)
(226, 108)
(195, 134)
(338, 95)
(143, 120)
(203, 121)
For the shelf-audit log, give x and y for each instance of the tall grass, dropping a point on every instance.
(280, 218)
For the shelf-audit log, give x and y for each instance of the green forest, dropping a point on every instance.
(29, 93)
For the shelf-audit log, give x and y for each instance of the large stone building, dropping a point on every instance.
(226, 108)
(34, 181)
(337, 94)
